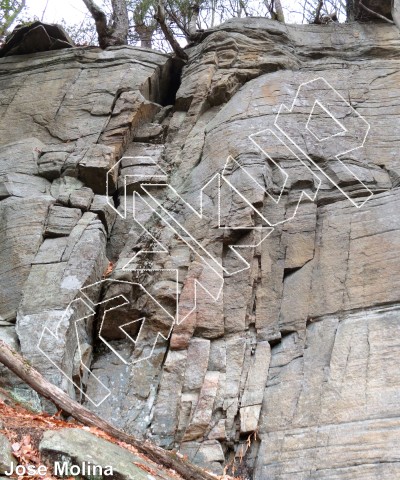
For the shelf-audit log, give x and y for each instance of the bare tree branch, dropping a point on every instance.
(44, 10)
(120, 22)
(192, 26)
(96, 12)
(375, 14)
(100, 19)
(279, 11)
(180, 24)
(318, 12)
(114, 32)
(169, 34)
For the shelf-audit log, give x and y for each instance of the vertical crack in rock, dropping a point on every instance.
(294, 365)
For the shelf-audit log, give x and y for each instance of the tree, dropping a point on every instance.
(396, 12)
(324, 11)
(279, 15)
(166, 21)
(168, 33)
(193, 19)
(168, 24)
(182, 16)
(82, 33)
(114, 31)
(10, 10)
(350, 10)
(144, 22)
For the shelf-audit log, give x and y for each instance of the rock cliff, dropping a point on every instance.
(202, 266)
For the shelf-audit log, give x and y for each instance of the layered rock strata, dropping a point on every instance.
(283, 364)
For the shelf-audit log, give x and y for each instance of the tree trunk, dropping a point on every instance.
(192, 27)
(146, 41)
(17, 364)
(317, 18)
(350, 11)
(145, 34)
(168, 33)
(120, 22)
(116, 31)
(213, 7)
(279, 11)
(396, 12)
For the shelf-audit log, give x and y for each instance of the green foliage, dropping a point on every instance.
(83, 33)
(142, 10)
(10, 10)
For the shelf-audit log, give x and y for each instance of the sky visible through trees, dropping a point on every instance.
(74, 11)
(74, 16)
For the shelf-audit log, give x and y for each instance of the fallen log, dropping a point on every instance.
(21, 367)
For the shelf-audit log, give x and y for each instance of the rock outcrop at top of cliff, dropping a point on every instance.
(284, 361)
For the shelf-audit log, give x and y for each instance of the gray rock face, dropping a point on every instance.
(55, 219)
(78, 447)
(284, 362)
(35, 37)
(6, 459)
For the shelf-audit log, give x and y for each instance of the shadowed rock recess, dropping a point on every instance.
(292, 373)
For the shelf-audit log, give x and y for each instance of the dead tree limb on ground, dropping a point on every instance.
(21, 367)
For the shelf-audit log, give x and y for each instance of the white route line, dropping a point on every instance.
(189, 239)
(285, 110)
